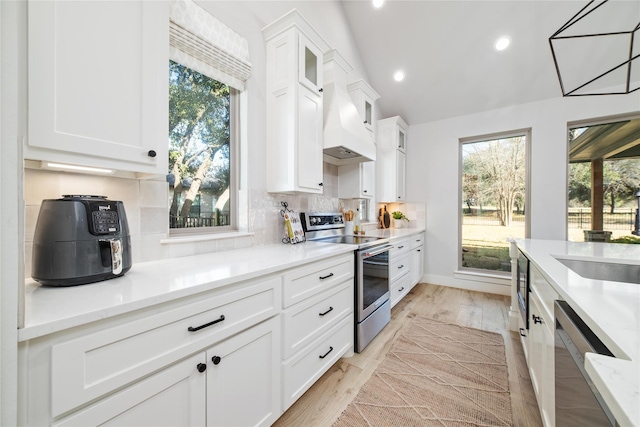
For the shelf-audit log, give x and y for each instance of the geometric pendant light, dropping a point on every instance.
(597, 52)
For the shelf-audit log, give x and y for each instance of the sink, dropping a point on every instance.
(598, 270)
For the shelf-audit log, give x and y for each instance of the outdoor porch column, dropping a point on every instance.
(597, 194)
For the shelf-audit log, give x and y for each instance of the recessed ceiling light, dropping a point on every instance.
(377, 3)
(502, 43)
(398, 76)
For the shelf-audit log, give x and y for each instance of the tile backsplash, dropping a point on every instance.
(147, 205)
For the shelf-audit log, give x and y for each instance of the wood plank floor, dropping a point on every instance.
(323, 403)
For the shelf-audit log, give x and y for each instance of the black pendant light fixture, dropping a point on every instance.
(597, 52)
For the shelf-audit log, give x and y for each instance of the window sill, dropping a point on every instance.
(205, 237)
(495, 278)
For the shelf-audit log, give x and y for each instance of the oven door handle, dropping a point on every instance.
(366, 253)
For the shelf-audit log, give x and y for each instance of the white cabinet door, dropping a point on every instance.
(310, 65)
(243, 378)
(415, 266)
(400, 176)
(357, 180)
(98, 83)
(541, 360)
(310, 142)
(174, 396)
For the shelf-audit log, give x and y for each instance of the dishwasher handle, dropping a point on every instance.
(577, 331)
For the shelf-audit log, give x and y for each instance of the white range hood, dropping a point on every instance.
(346, 139)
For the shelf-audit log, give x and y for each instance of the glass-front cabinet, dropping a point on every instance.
(310, 62)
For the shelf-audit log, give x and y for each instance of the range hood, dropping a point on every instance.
(346, 139)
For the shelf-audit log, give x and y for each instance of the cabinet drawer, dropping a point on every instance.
(545, 293)
(416, 241)
(306, 321)
(304, 282)
(302, 370)
(399, 289)
(398, 268)
(400, 248)
(88, 367)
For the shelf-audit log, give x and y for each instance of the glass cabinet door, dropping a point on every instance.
(401, 141)
(310, 65)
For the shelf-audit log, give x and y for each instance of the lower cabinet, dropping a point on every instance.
(538, 344)
(210, 388)
(406, 266)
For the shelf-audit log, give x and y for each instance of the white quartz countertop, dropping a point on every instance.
(610, 309)
(52, 309)
(394, 233)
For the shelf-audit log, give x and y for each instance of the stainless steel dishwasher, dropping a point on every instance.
(578, 402)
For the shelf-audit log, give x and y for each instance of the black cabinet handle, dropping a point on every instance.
(328, 311)
(537, 319)
(400, 247)
(151, 153)
(522, 334)
(197, 328)
(201, 367)
(320, 184)
(326, 277)
(401, 265)
(419, 250)
(216, 359)
(325, 355)
(320, 90)
(401, 289)
(364, 191)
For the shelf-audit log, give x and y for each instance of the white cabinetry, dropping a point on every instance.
(364, 98)
(357, 180)
(317, 322)
(294, 105)
(98, 84)
(405, 266)
(189, 362)
(390, 159)
(541, 344)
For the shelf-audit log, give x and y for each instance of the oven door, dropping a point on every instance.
(523, 288)
(372, 284)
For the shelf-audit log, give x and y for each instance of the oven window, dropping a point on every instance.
(375, 278)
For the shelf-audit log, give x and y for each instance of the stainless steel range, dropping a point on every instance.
(372, 305)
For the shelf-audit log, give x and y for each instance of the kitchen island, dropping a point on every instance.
(611, 309)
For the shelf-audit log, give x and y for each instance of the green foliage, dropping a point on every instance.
(627, 239)
(399, 215)
(621, 179)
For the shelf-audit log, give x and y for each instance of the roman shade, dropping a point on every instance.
(201, 42)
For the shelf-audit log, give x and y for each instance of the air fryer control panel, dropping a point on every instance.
(102, 214)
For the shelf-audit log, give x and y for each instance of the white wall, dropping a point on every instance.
(432, 171)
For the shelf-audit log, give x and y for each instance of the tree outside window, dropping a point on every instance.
(493, 195)
(199, 149)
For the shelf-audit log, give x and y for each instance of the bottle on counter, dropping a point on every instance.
(356, 224)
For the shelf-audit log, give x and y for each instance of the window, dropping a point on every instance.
(208, 69)
(200, 150)
(603, 181)
(494, 199)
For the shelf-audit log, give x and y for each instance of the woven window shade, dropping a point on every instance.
(202, 43)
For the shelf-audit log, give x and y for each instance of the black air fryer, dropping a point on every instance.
(79, 240)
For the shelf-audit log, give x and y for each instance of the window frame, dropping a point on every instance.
(527, 132)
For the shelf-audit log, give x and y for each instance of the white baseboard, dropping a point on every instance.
(472, 285)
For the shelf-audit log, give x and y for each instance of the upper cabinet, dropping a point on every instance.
(98, 84)
(391, 155)
(364, 98)
(295, 53)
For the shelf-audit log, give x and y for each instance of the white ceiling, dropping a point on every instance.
(446, 51)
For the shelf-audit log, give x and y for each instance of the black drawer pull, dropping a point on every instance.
(326, 277)
(401, 265)
(327, 353)
(400, 247)
(197, 328)
(419, 250)
(522, 334)
(201, 367)
(216, 359)
(537, 319)
(330, 310)
(401, 289)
